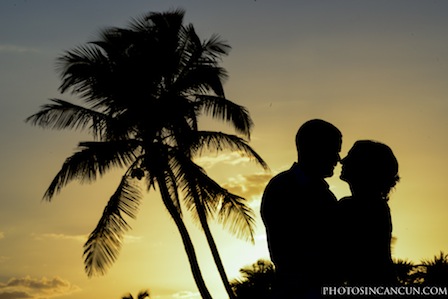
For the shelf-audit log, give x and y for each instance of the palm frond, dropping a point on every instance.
(232, 210)
(197, 69)
(189, 52)
(215, 47)
(196, 184)
(92, 159)
(80, 68)
(223, 109)
(159, 169)
(219, 141)
(104, 243)
(441, 259)
(171, 184)
(143, 294)
(163, 21)
(139, 23)
(150, 180)
(237, 216)
(65, 115)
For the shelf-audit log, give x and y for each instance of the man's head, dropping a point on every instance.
(318, 145)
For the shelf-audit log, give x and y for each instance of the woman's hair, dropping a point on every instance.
(382, 165)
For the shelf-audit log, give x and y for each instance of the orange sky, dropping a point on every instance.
(375, 69)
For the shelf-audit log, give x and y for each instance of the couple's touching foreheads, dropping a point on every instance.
(316, 240)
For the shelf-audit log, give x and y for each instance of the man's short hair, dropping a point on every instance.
(314, 134)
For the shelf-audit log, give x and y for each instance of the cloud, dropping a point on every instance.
(28, 287)
(132, 239)
(186, 295)
(79, 238)
(15, 295)
(3, 258)
(53, 236)
(16, 49)
(261, 237)
(2, 235)
(250, 186)
(234, 158)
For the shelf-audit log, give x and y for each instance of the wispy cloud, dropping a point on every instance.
(132, 239)
(261, 237)
(248, 186)
(28, 287)
(14, 295)
(16, 49)
(186, 295)
(4, 258)
(79, 238)
(234, 158)
(40, 237)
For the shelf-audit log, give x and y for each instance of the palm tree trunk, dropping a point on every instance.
(212, 245)
(188, 244)
(215, 253)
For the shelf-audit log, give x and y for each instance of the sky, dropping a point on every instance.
(375, 69)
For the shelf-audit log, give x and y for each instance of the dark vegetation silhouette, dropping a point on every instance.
(141, 295)
(429, 272)
(405, 271)
(434, 272)
(256, 282)
(258, 278)
(143, 89)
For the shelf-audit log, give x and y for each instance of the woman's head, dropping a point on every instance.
(370, 166)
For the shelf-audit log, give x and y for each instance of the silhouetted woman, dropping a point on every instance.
(371, 170)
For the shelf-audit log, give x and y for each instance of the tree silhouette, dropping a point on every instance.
(435, 272)
(141, 295)
(406, 272)
(144, 88)
(256, 281)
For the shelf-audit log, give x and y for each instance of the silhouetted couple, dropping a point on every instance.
(315, 240)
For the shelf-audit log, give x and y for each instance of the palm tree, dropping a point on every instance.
(406, 272)
(435, 271)
(256, 282)
(144, 88)
(141, 295)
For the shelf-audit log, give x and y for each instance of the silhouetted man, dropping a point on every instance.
(298, 211)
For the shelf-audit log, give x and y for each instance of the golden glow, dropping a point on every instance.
(375, 71)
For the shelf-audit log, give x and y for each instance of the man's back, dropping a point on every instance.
(298, 210)
(298, 214)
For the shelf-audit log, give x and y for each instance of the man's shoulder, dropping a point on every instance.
(345, 200)
(276, 194)
(282, 179)
(286, 182)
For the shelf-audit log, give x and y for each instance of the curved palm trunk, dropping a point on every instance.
(188, 244)
(213, 247)
(216, 256)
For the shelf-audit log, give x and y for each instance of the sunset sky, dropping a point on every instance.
(376, 69)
